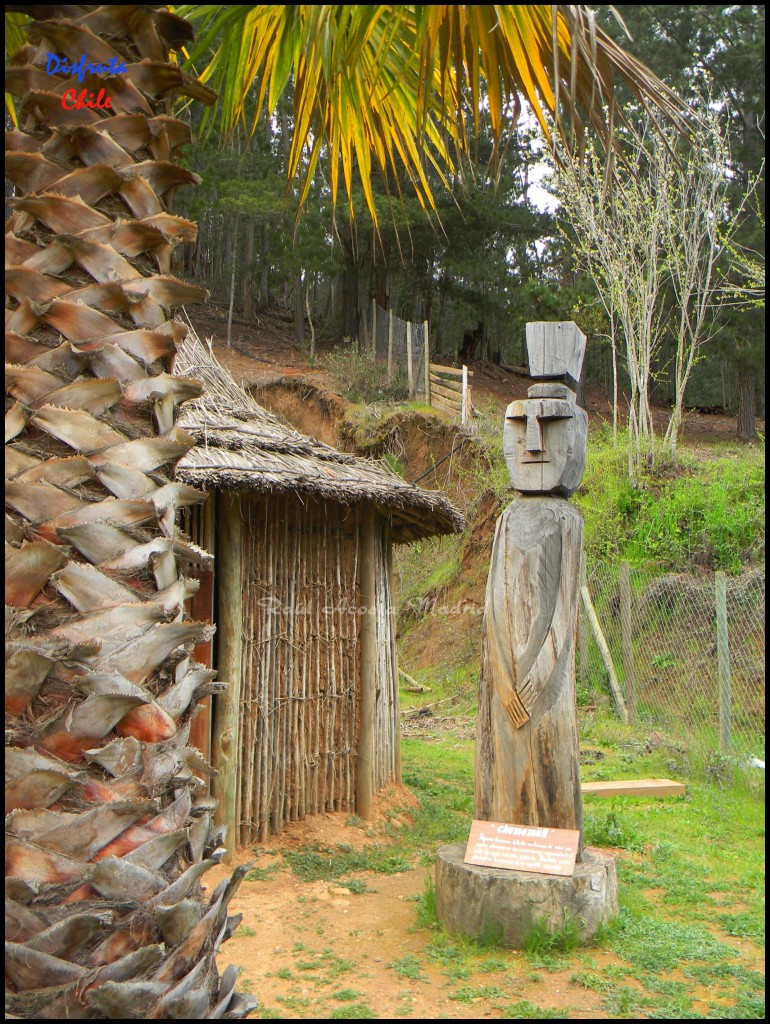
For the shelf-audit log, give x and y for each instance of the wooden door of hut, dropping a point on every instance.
(306, 640)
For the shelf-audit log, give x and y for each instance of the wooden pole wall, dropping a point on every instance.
(368, 694)
(226, 737)
(300, 700)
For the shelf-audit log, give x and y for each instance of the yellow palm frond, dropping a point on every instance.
(382, 86)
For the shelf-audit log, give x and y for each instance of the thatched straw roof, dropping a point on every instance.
(241, 446)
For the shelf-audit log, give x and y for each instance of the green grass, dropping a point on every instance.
(707, 510)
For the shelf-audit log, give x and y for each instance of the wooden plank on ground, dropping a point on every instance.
(451, 370)
(634, 787)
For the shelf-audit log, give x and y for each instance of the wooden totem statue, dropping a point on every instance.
(527, 766)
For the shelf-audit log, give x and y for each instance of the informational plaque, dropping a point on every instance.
(549, 851)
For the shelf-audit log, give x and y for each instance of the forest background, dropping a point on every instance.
(493, 252)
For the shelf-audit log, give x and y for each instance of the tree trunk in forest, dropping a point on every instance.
(234, 262)
(264, 280)
(381, 286)
(349, 296)
(299, 308)
(248, 274)
(747, 404)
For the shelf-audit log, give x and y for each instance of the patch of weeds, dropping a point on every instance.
(711, 974)
(345, 995)
(748, 1007)
(267, 1012)
(426, 905)
(283, 973)
(260, 874)
(356, 1011)
(623, 1002)
(362, 379)
(356, 885)
(353, 821)
(542, 940)
(446, 953)
(743, 925)
(491, 964)
(244, 932)
(326, 961)
(524, 1010)
(316, 863)
(468, 993)
(293, 1002)
(591, 981)
(653, 945)
(608, 830)
(408, 966)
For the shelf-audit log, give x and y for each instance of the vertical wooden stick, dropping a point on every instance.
(626, 634)
(227, 708)
(374, 328)
(583, 627)
(723, 664)
(464, 405)
(366, 739)
(617, 695)
(409, 367)
(390, 596)
(390, 343)
(427, 362)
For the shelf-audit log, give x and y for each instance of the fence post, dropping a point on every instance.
(464, 405)
(390, 343)
(374, 328)
(409, 367)
(583, 626)
(723, 663)
(626, 639)
(427, 362)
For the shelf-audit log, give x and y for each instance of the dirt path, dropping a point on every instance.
(316, 949)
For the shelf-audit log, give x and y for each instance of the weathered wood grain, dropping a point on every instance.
(527, 766)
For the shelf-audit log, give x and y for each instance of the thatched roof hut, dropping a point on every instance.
(243, 447)
(301, 595)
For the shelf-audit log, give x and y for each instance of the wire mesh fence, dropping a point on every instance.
(399, 344)
(688, 651)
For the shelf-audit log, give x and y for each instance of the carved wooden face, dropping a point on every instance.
(544, 441)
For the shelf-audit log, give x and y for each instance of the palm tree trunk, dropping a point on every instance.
(107, 835)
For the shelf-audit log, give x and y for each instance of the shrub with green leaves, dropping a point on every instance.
(362, 380)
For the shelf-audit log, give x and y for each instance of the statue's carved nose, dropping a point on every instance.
(534, 437)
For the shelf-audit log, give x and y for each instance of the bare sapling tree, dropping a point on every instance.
(616, 234)
(657, 245)
(698, 229)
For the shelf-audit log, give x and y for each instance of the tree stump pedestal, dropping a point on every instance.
(505, 906)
